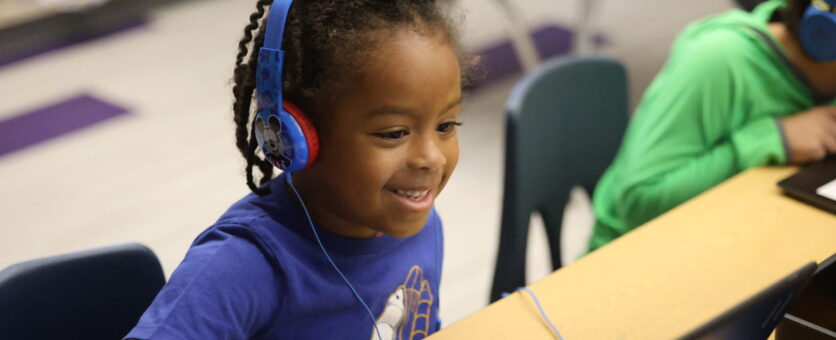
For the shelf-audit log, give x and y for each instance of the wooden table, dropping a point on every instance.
(672, 274)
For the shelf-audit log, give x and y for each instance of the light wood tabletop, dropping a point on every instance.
(672, 274)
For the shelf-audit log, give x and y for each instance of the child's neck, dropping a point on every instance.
(324, 218)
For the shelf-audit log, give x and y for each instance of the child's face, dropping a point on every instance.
(389, 145)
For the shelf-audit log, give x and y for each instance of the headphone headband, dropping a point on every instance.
(275, 24)
(271, 60)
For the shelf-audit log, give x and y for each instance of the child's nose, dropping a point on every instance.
(427, 155)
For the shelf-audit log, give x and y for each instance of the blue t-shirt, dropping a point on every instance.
(258, 273)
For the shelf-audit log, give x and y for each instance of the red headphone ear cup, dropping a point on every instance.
(307, 129)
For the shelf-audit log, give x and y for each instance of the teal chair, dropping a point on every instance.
(565, 121)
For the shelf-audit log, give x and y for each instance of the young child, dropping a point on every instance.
(740, 90)
(345, 245)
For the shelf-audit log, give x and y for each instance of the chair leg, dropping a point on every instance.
(509, 272)
(553, 220)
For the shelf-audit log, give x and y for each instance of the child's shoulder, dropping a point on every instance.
(228, 259)
(265, 222)
(253, 210)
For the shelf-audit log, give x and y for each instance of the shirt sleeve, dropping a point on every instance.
(225, 288)
(686, 139)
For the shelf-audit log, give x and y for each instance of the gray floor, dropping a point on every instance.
(166, 171)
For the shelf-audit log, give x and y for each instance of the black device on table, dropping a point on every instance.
(756, 317)
(813, 315)
(814, 184)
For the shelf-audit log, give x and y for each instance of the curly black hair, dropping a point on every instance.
(324, 43)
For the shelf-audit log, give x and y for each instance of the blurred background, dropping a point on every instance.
(116, 121)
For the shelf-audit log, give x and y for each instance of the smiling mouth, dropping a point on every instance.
(415, 195)
(415, 200)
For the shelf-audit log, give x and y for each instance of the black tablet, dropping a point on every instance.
(814, 184)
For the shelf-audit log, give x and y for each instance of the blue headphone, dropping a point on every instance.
(285, 134)
(817, 30)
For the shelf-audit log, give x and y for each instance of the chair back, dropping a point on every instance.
(91, 294)
(565, 122)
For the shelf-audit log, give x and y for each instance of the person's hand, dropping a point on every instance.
(811, 135)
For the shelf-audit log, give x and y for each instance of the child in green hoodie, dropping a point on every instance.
(738, 91)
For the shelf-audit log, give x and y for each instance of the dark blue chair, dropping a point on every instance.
(565, 121)
(92, 294)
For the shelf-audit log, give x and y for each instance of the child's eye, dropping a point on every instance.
(392, 134)
(447, 127)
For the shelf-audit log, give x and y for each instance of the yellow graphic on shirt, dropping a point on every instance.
(407, 311)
